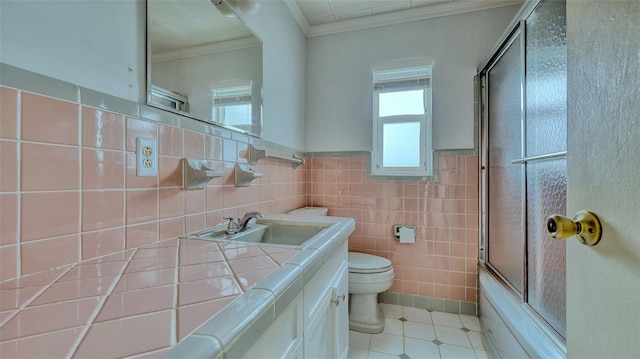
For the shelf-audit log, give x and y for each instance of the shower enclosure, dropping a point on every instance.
(524, 167)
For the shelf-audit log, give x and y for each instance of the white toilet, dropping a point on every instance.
(368, 276)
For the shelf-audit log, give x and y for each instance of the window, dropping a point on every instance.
(168, 99)
(402, 121)
(232, 105)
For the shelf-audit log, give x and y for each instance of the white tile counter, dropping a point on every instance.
(143, 302)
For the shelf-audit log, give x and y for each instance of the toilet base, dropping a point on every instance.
(364, 314)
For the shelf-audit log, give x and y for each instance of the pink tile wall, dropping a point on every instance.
(69, 192)
(442, 262)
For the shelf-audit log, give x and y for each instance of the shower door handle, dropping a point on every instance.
(548, 156)
(585, 224)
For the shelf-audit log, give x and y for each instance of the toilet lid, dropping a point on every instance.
(367, 263)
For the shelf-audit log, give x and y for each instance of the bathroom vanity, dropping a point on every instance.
(299, 311)
(315, 323)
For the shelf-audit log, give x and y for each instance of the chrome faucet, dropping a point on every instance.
(241, 224)
(245, 223)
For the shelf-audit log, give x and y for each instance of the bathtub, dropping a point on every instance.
(509, 329)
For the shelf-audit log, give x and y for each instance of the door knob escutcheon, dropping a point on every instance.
(585, 224)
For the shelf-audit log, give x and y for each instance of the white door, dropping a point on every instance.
(603, 154)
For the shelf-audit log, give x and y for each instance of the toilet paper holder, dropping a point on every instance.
(396, 230)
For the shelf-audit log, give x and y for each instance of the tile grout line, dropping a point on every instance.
(157, 179)
(80, 180)
(19, 184)
(231, 270)
(123, 150)
(103, 300)
(34, 296)
(174, 311)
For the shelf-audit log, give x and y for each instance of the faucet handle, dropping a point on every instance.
(232, 226)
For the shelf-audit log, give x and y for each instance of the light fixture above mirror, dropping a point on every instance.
(224, 9)
(203, 64)
(247, 6)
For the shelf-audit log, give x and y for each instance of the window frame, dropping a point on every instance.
(402, 83)
(238, 93)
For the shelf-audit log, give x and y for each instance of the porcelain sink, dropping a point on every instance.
(270, 233)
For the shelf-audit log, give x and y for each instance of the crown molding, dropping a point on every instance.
(396, 17)
(297, 14)
(222, 46)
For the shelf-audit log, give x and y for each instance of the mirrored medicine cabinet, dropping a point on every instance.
(203, 64)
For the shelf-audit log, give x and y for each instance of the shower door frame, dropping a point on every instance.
(529, 329)
(515, 38)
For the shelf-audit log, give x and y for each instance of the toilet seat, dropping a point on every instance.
(367, 264)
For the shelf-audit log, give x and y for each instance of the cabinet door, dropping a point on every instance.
(284, 336)
(318, 337)
(328, 334)
(340, 308)
(298, 352)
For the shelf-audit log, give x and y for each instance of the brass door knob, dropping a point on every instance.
(585, 224)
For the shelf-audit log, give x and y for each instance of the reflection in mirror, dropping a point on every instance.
(203, 64)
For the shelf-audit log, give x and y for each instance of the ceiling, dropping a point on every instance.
(323, 17)
(178, 24)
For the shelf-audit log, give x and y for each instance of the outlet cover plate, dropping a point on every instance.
(146, 157)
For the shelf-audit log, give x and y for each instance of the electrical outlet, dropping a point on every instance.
(146, 157)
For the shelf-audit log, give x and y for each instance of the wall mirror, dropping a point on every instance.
(205, 63)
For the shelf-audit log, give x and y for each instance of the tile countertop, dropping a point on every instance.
(144, 301)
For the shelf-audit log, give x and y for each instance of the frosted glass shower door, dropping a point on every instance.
(505, 249)
(546, 138)
(525, 164)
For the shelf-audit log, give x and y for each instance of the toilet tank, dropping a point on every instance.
(310, 211)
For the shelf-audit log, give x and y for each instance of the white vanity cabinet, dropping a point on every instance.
(316, 324)
(327, 334)
(326, 317)
(283, 339)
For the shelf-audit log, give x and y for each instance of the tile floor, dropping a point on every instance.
(417, 333)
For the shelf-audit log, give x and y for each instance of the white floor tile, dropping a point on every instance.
(476, 339)
(452, 336)
(378, 355)
(387, 343)
(391, 310)
(446, 320)
(359, 340)
(357, 353)
(455, 352)
(418, 349)
(392, 326)
(419, 331)
(416, 315)
(470, 322)
(414, 337)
